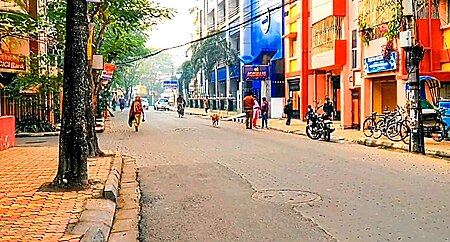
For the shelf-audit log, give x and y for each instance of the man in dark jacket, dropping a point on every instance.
(288, 111)
(328, 108)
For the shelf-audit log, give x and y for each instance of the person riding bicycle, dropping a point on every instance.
(136, 112)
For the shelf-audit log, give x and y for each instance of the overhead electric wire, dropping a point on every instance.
(244, 23)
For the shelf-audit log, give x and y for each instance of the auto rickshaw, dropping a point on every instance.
(435, 111)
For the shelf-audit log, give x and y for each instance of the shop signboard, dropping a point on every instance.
(378, 63)
(255, 72)
(170, 84)
(108, 71)
(12, 62)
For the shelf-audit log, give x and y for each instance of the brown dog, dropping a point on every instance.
(215, 120)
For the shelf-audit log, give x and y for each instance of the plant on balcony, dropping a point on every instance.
(365, 29)
(394, 27)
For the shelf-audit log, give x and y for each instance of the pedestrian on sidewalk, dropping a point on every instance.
(206, 104)
(328, 108)
(249, 102)
(256, 112)
(288, 111)
(265, 113)
(122, 103)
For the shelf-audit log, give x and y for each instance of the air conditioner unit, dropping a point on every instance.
(405, 39)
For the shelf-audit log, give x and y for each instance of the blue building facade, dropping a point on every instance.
(263, 45)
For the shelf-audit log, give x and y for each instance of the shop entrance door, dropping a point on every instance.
(356, 110)
(336, 93)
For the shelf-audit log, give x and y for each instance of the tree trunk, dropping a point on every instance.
(73, 147)
(93, 147)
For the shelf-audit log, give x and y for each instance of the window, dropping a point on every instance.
(354, 49)
(293, 47)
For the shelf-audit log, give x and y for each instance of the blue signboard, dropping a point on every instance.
(255, 72)
(170, 84)
(378, 63)
(445, 104)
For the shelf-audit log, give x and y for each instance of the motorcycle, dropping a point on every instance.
(318, 125)
(180, 111)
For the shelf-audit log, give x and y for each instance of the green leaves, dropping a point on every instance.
(210, 53)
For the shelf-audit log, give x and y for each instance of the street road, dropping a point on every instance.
(201, 183)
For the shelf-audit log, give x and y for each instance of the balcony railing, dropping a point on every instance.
(211, 27)
(324, 33)
(221, 21)
(234, 12)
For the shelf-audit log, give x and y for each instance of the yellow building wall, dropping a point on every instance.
(446, 66)
(293, 27)
(293, 11)
(293, 65)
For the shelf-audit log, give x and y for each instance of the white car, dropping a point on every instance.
(145, 104)
(162, 104)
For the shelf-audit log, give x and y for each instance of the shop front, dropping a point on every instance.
(385, 86)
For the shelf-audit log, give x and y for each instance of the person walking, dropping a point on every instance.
(136, 113)
(265, 112)
(122, 103)
(249, 102)
(288, 111)
(206, 104)
(256, 112)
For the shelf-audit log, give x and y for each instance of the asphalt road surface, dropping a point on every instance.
(201, 183)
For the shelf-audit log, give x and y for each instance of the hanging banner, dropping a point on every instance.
(108, 71)
(90, 41)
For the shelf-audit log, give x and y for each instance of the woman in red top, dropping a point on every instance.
(136, 112)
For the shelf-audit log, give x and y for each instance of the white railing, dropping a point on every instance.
(234, 12)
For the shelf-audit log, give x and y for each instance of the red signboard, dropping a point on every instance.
(108, 71)
(12, 61)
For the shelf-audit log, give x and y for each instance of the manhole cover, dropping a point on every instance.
(286, 196)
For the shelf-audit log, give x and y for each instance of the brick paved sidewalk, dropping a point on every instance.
(29, 211)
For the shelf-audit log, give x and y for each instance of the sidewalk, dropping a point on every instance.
(29, 210)
(350, 135)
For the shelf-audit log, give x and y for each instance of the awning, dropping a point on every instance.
(249, 59)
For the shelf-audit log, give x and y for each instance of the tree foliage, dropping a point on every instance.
(210, 53)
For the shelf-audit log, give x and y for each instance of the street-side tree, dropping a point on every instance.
(206, 56)
(73, 148)
(121, 22)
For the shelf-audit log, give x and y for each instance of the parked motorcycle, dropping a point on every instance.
(318, 125)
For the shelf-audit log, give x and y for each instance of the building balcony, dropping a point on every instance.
(329, 55)
(221, 21)
(211, 27)
(321, 9)
(234, 12)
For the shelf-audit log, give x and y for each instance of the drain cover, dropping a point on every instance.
(286, 196)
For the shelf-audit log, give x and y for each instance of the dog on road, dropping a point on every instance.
(215, 118)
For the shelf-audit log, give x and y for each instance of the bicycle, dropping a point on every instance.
(370, 125)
